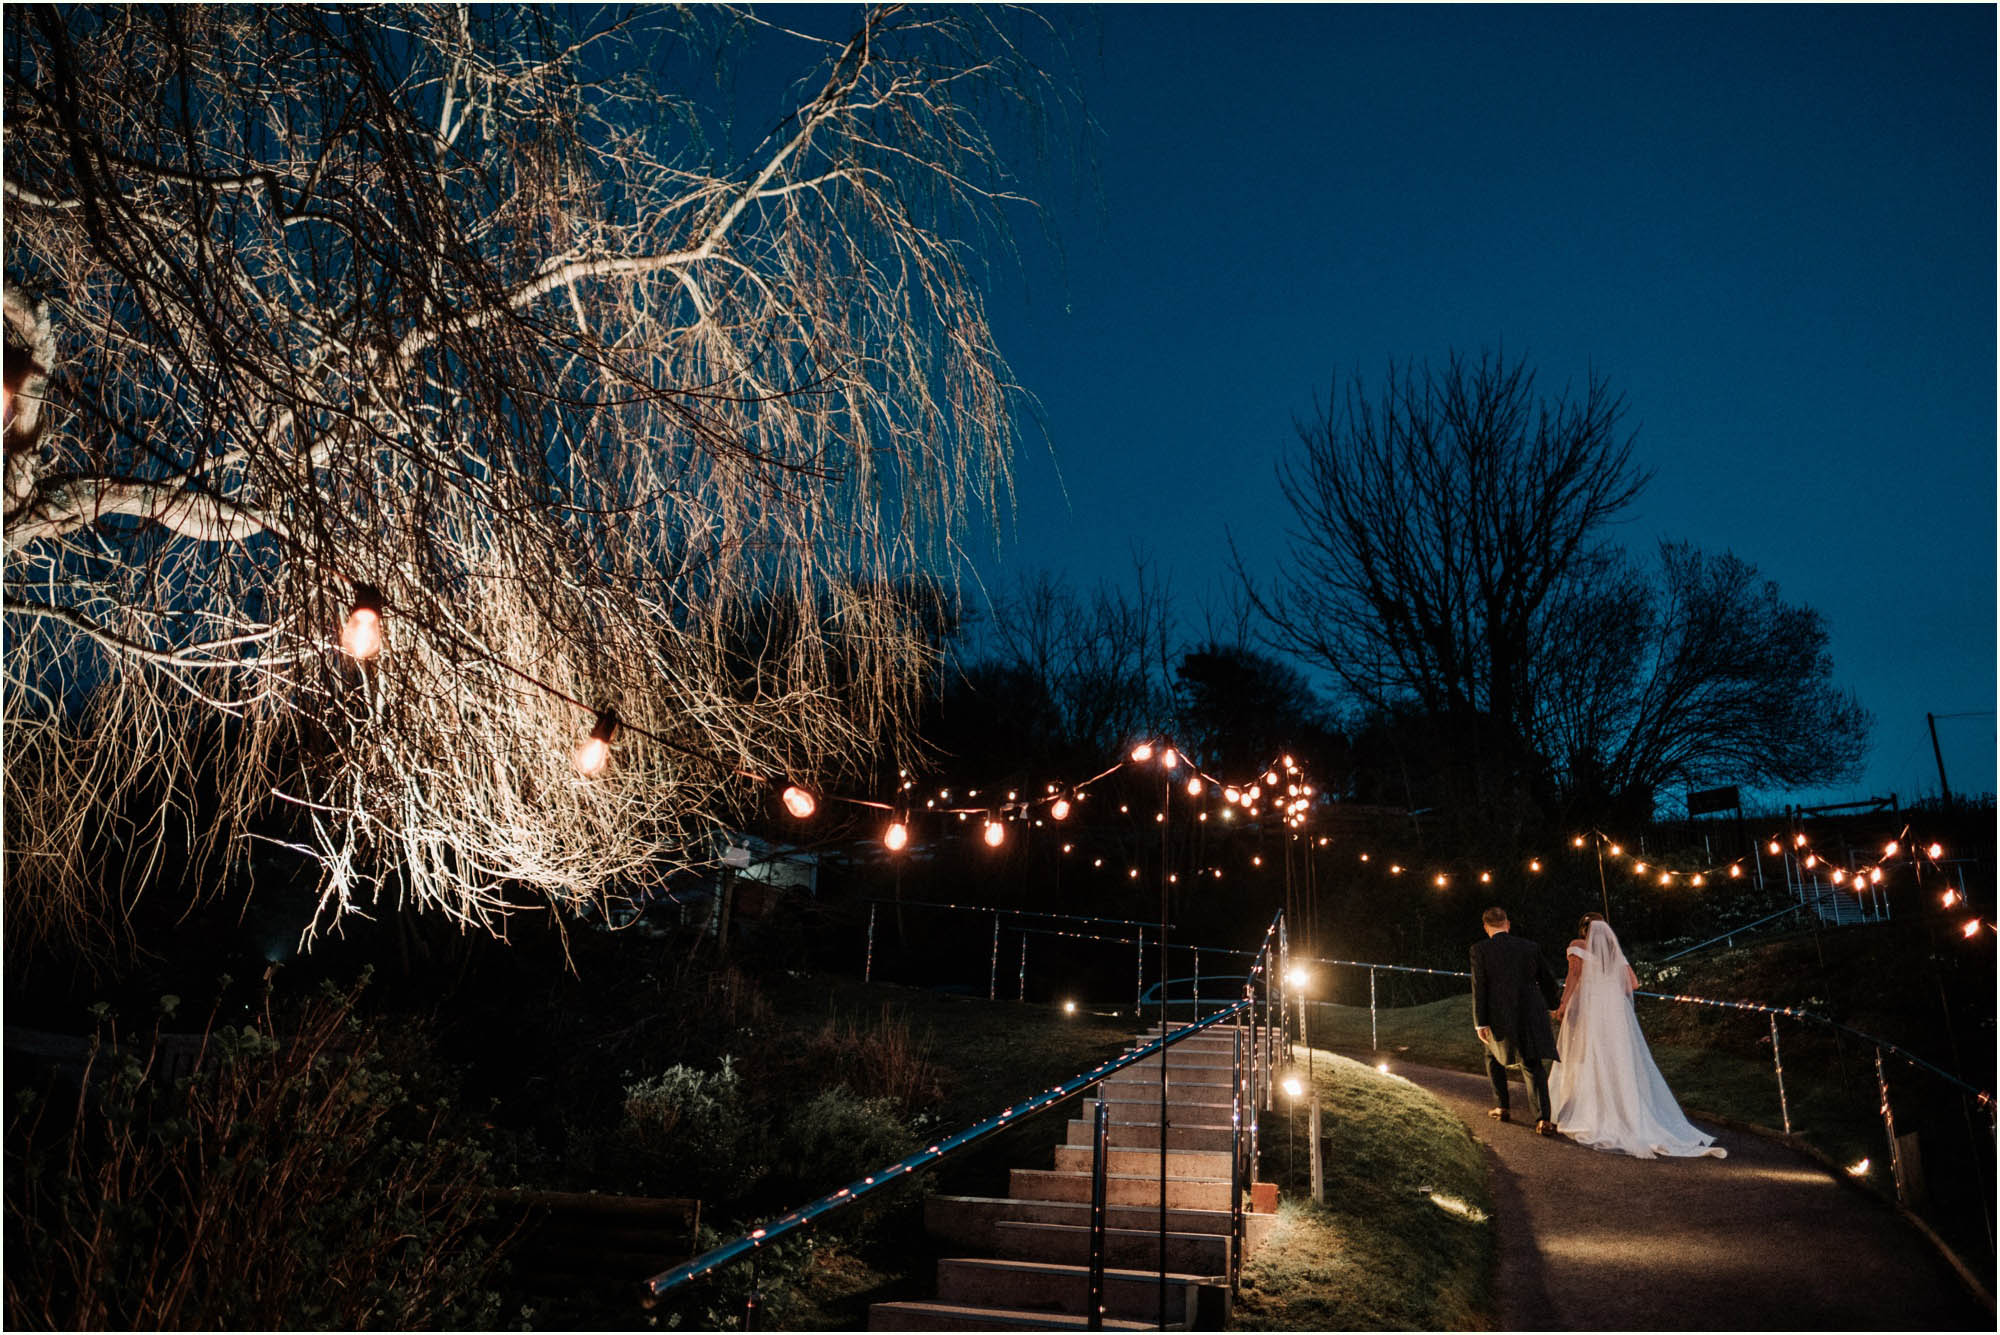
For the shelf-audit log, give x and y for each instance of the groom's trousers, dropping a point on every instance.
(1537, 1072)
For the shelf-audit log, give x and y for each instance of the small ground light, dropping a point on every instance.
(1069, 1008)
(1383, 1067)
(1293, 1086)
(1859, 1169)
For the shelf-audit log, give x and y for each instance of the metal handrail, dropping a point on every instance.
(1732, 933)
(757, 1239)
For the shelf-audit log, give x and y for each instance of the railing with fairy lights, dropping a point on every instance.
(1255, 1051)
(1883, 1049)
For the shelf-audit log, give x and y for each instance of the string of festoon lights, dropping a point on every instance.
(1279, 788)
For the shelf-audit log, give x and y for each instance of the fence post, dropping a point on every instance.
(755, 1302)
(1889, 1126)
(1197, 982)
(1236, 1162)
(1318, 1164)
(993, 974)
(1778, 1066)
(1139, 985)
(868, 961)
(1024, 968)
(1374, 1043)
(1100, 1139)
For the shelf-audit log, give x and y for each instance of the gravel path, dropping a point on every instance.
(1762, 1240)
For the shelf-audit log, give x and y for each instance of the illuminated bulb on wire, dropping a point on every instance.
(1534, 864)
(594, 753)
(1194, 787)
(1735, 869)
(1271, 779)
(1666, 878)
(1171, 759)
(798, 801)
(1798, 841)
(1134, 873)
(1936, 851)
(1060, 808)
(1812, 859)
(996, 834)
(1890, 849)
(1638, 867)
(1143, 752)
(1616, 851)
(896, 837)
(1288, 762)
(1699, 880)
(361, 634)
(1395, 870)
(1231, 795)
(1440, 880)
(1364, 857)
(1839, 876)
(1293, 1086)
(1951, 899)
(1256, 860)
(1576, 842)
(1774, 848)
(1486, 878)
(1971, 928)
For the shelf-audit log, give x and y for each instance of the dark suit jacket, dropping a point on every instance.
(1513, 993)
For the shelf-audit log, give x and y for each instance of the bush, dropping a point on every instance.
(690, 1133)
(837, 1136)
(287, 1184)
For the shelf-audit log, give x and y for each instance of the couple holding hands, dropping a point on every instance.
(1606, 1092)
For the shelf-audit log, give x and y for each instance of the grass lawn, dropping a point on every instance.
(1404, 1241)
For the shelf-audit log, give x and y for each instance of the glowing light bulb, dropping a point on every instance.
(1798, 841)
(1364, 857)
(1293, 1086)
(361, 634)
(1060, 808)
(1534, 864)
(1395, 870)
(1774, 848)
(1194, 787)
(1383, 1067)
(1875, 876)
(1134, 873)
(1288, 762)
(1231, 795)
(995, 834)
(1890, 849)
(1666, 878)
(1936, 851)
(595, 751)
(592, 756)
(1069, 1008)
(1171, 759)
(896, 837)
(1839, 876)
(1616, 851)
(1296, 976)
(1486, 878)
(1143, 752)
(1271, 779)
(1812, 859)
(1256, 860)
(1971, 928)
(1638, 866)
(1576, 842)
(1068, 847)
(1699, 879)
(1951, 899)
(798, 801)
(1440, 880)
(1858, 1169)
(1735, 869)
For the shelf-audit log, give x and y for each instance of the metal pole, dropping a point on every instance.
(755, 1302)
(1778, 1067)
(1889, 1126)
(1318, 1163)
(1374, 1041)
(1166, 805)
(1024, 968)
(868, 962)
(1236, 1160)
(993, 973)
(1602, 889)
(1101, 1155)
(1139, 984)
(1197, 982)
(1943, 787)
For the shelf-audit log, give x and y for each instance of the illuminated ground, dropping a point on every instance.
(1762, 1240)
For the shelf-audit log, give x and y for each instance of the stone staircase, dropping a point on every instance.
(1022, 1261)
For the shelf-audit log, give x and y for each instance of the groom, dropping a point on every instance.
(1512, 995)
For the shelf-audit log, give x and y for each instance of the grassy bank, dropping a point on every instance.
(1404, 1241)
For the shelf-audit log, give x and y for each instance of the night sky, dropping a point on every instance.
(1771, 229)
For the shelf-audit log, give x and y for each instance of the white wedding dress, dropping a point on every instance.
(1608, 1093)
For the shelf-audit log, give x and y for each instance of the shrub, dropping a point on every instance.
(289, 1183)
(837, 1136)
(690, 1133)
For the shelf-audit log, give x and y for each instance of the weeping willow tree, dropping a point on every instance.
(479, 310)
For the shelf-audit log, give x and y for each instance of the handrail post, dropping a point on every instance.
(1374, 1042)
(1024, 968)
(1889, 1126)
(1139, 984)
(1100, 1139)
(1778, 1067)
(755, 1302)
(1236, 1165)
(868, 960)
(993, 974)
(1197, 982)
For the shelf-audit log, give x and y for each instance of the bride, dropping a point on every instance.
(1607, 1092)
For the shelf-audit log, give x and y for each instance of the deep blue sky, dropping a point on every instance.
(1771, 228)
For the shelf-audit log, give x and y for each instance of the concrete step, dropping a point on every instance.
(1053, 1287)
(1179, 1060)
(1144, 1135)
(1146, 1110)
(1133, 1248)
(973, 1222)
(1041, 1184)
(953, 1316)
(1205, 1082)
(1180, 1163)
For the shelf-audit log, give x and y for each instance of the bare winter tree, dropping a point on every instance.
(474, 306)
(1434, 522)
(1701, 674)
(1451, 567)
